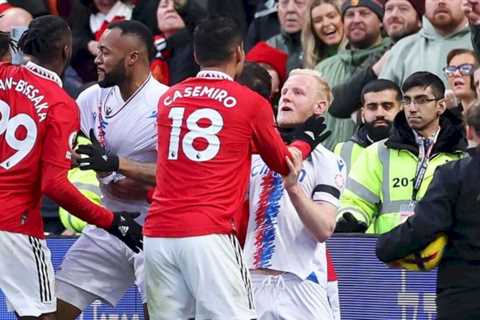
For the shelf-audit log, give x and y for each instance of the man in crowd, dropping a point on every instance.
(380, 104)
(402, 18)
(207, 125)
(39, 126)
(118, 114)
(293, 217)
(363, 24)
(449, 206)
(390, 176)
(291, 15)
(444, 28)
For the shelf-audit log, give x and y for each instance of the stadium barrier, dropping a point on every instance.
(368, 289)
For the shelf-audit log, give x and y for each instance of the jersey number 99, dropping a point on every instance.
(209, 133)
(9, 127)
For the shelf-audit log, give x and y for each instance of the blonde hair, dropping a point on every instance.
(323, 88)
(313, 48)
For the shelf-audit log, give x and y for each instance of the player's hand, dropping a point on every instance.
(127, 229)
(349, 224)
(98, 158)
(295, 166)
(313, 131)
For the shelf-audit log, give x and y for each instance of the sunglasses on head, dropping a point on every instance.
(465, 69)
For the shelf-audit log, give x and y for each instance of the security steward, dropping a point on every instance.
(391, 175)
(450, 205)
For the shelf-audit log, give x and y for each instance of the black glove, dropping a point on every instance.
(98, 158)
(312, 131)
(127, 229)
(349, 224)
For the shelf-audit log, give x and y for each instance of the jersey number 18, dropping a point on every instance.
(209, 133)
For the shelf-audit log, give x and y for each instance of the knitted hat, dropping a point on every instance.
(373, 5)
(275, 58)
(418, 5)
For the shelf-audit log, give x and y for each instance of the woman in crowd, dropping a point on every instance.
(461, 64)
(322, 33)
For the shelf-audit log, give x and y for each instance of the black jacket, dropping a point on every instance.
(360, 137)
(451, 137)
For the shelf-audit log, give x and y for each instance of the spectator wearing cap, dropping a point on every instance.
(274, 61)
(402, 18)
(362, 22)
(291, 15)
(444, 28)
(322, 33)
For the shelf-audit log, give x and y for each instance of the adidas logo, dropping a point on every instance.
(123, 230)
(310, 134)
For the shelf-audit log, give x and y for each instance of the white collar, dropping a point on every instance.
(44, 73)
(213, 74)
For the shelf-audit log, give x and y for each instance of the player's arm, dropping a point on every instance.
(61, 128)
(270, 145)
(317, 216)
(95, 157)
(143, 172)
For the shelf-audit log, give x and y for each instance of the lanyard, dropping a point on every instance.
(424, 154)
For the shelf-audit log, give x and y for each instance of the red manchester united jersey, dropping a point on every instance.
(38, 125)
(206, 126)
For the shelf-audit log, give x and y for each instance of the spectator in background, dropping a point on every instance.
(380, 104)
(363, 23)
(402, 18)
(274, 61)
(6, 44)
(264, 25)
(322, 33)
(444, 28)
(34, 7)
(461, 64)
(291, 14)
(174, 59)
(89, 19)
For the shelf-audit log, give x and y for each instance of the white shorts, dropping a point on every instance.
(26, 274)
(202, 277)
(287, 297)
(98, 266)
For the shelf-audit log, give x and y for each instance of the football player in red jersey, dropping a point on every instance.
(38, 126)
(206, 126)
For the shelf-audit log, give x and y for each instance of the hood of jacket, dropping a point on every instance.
(428, 31)
(360, 136)
(452, 137)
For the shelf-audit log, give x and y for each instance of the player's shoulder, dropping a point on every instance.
(91, 92)
(156, 85)
(322, 157)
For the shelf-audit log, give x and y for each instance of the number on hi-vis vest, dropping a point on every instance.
(208, 133)
(9, 126)
(402, 182)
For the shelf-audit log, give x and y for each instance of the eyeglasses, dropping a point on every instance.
(418, 101)
(465, 69)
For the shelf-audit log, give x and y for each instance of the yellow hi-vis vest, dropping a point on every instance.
(380, 185)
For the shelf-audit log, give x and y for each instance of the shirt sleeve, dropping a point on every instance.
(61, 133)
(330, 178)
